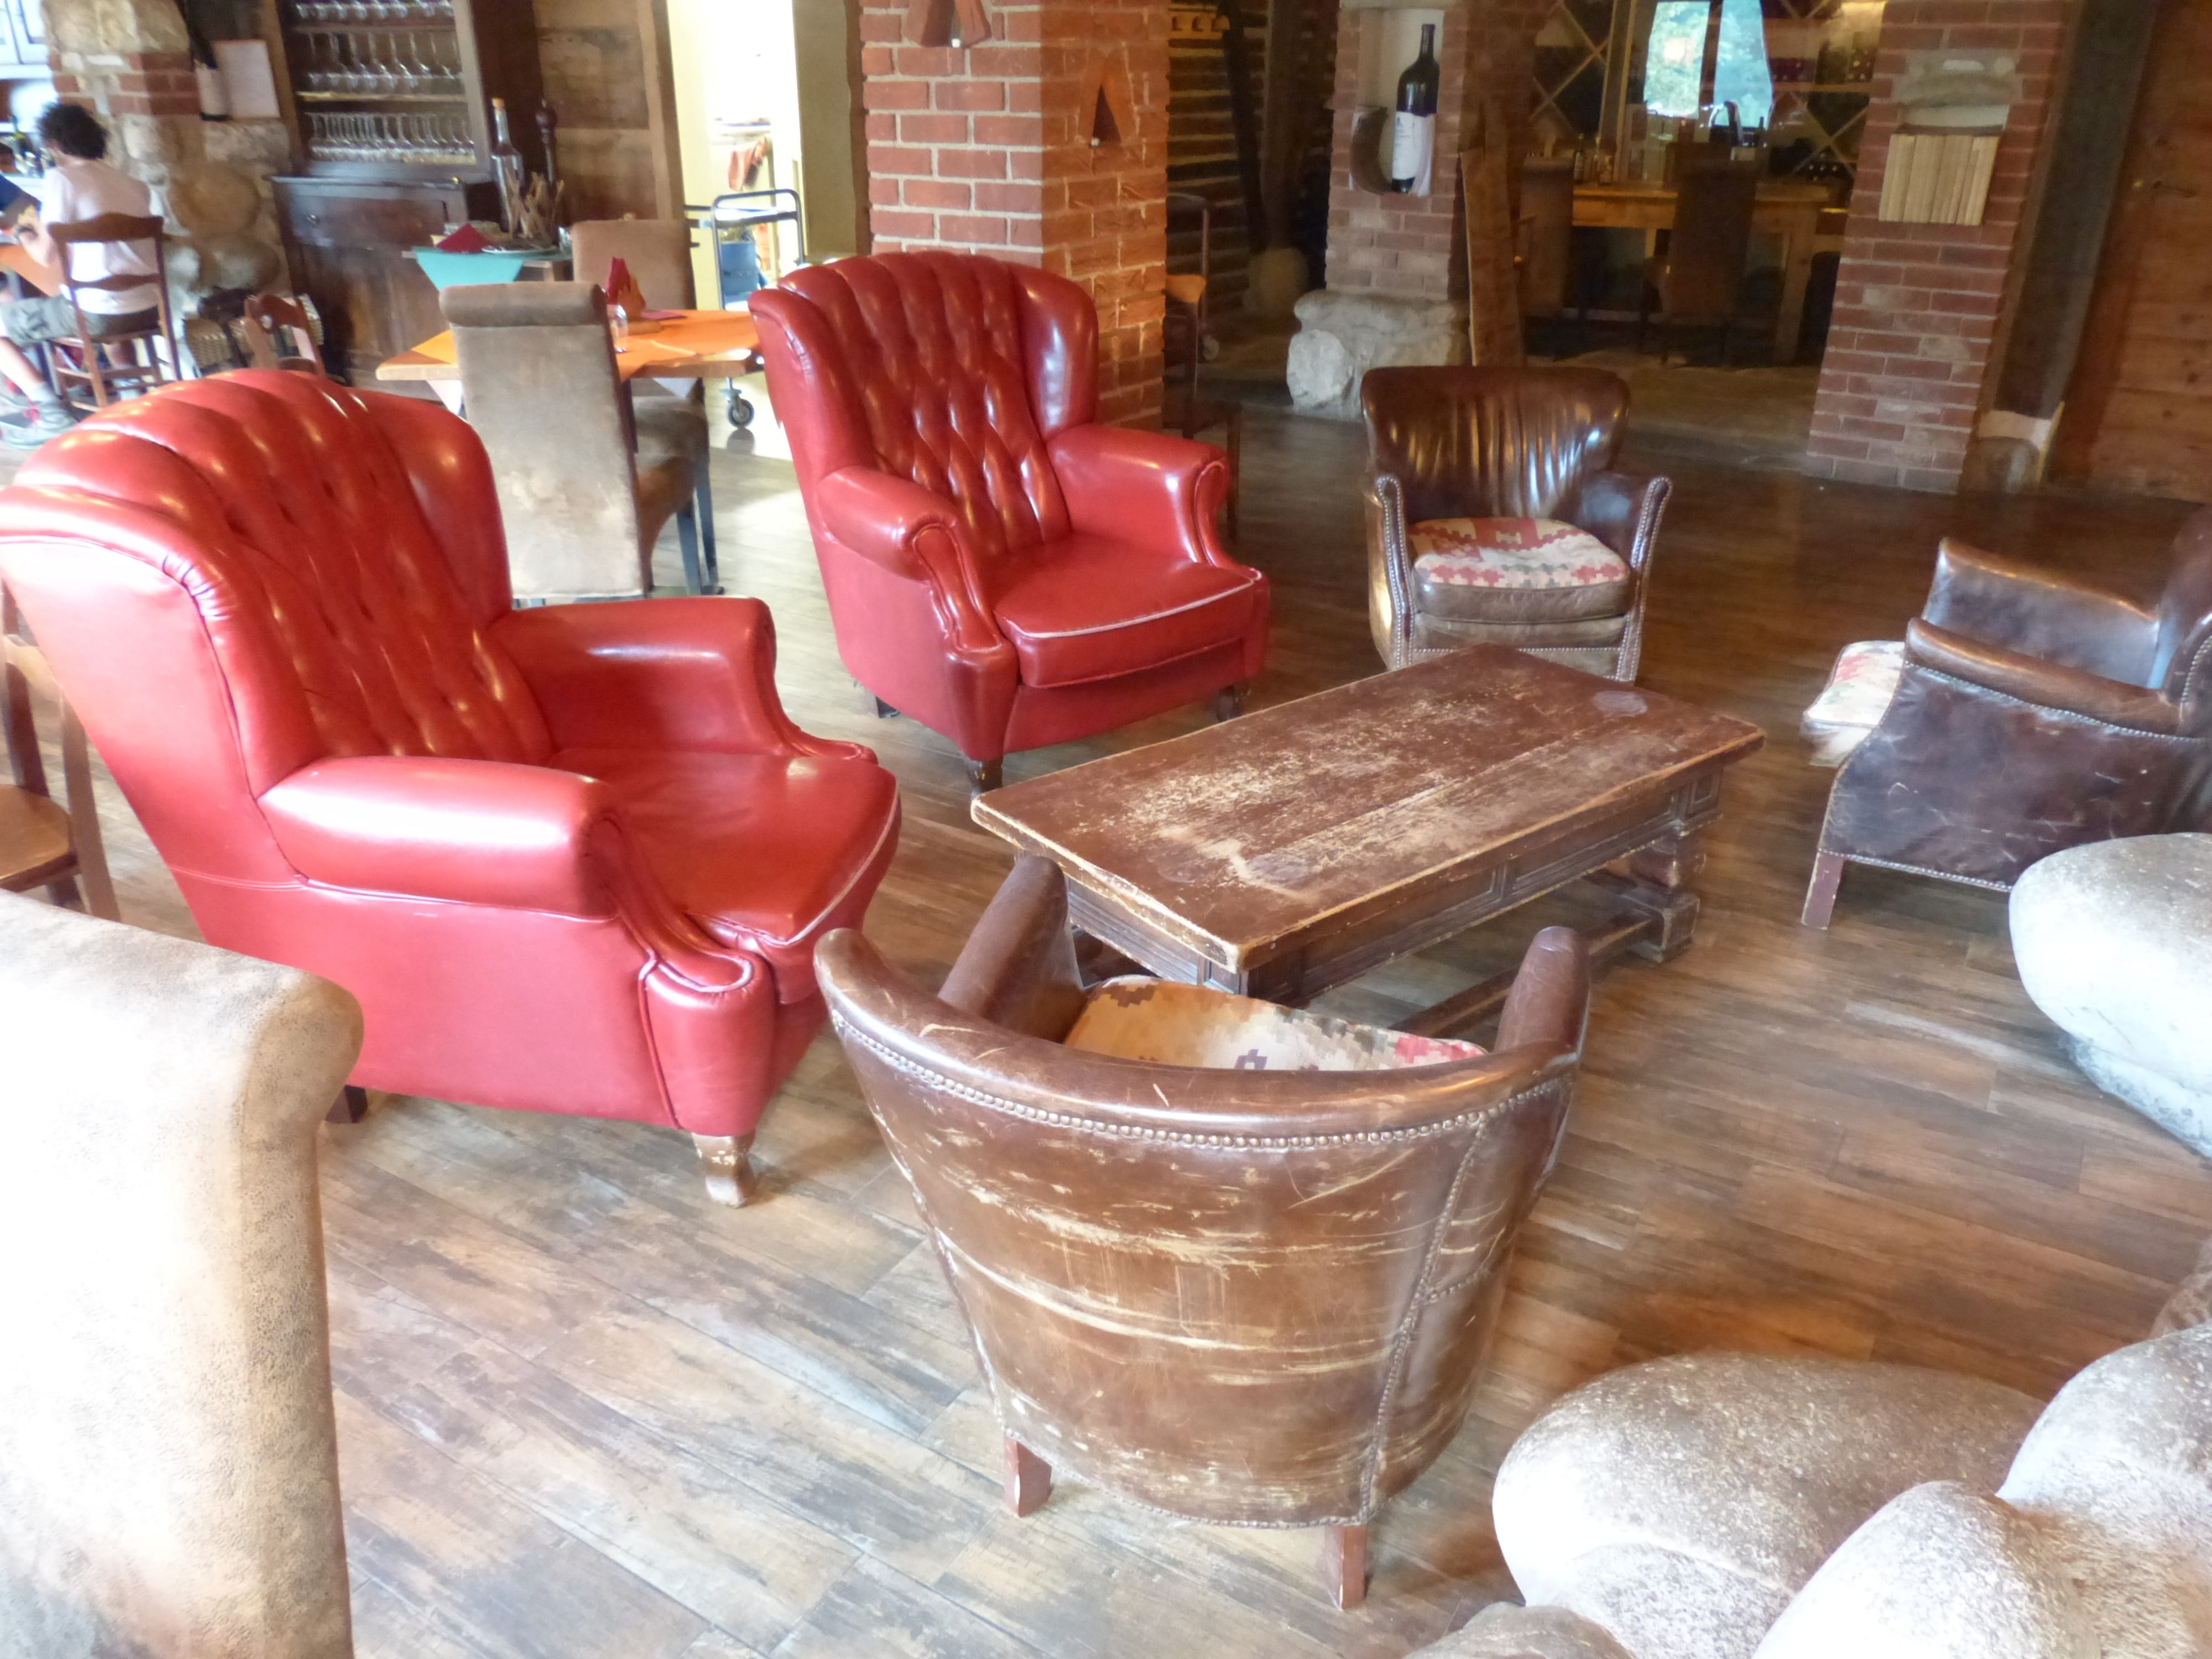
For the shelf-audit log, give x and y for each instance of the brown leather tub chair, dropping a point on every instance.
(2033, 714)
(1494, 516)
(1245, 1297)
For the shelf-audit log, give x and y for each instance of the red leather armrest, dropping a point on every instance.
(915, 534)
(470, 831)
(2052, 685)
(2038, 612)
(676, 673)
(1144, 487)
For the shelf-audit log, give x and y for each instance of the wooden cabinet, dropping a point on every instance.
(389, 103)
(347, 240)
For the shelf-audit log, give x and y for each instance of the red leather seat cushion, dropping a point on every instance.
(1090, 608)
(760, 851)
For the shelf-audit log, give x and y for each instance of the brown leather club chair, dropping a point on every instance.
(584, 488)
(2033, 714)
(1494, 516)
(1251, 1297)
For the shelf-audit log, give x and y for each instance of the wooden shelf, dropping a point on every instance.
(459, 95)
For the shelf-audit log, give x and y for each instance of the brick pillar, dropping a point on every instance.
(1917, 305)
(990, 150)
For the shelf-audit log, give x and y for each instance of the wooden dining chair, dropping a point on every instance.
(1699, 279)
(1186, 409)
(82, 365)
(43, 843)
(281, 333)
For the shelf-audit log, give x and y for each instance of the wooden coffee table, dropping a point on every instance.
(1300, 847)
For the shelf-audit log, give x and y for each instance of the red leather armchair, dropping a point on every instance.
(572, 859)
(998, 566)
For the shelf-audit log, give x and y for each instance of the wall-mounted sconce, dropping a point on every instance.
(959, 23)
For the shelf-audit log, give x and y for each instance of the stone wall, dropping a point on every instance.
(127, 60)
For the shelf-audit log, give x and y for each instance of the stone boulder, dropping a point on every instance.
(1679, 1504)
(1342, 335)
(2114, 943)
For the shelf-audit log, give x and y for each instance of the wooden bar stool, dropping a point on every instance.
(44, 844)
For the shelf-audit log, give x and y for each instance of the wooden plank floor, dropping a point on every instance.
(586, 1415)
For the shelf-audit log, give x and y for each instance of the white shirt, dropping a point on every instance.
(74, 189)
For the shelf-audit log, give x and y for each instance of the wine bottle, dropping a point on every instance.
(505, 169)
(1414, 130)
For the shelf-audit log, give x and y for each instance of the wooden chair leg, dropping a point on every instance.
(885, 711)
(983, 776)
(1344, 1564)
(352, 1106)
(731, 1178)
(1028, 1478)
(1227, 703)
(1820, 894)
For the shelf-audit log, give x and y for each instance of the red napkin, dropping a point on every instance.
(467, 239)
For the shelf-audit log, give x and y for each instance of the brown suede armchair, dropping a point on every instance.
(1494, 516)
(1257, 1297)
(2033, 714)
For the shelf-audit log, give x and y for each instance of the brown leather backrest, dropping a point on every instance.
(1491, 442)
(1706, 250)
(539, 366)
(961, 369)
(1238, 1296)
(656, 251)
(2182, 666)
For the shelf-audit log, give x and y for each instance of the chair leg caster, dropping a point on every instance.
(1028, 1478)
(1820, 894)
(1344, 1564)
(727, 1160)
(985, 775)
(1228, 703)
(350, 1106)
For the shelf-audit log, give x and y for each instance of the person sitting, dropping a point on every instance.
(79, 185)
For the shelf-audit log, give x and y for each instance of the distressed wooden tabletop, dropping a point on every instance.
(1240, 835)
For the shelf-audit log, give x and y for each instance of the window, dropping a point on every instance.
(1674, 60)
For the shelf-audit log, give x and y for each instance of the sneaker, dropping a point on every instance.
(44, 422)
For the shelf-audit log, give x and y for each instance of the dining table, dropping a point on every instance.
(682, 345)
(1793, 211)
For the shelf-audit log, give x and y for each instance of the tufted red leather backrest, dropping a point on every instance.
(951, 370)
(236, 577)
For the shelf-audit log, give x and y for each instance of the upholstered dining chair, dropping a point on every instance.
(657, 252)
(1000, 566)
(2033, 713)
(1494, 516)
(1698, 281)
(1253, 1297)
(585, 486)
(570, 859)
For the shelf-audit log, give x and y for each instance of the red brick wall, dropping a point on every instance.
(1916, 305)
(988, 150)
(129, 82)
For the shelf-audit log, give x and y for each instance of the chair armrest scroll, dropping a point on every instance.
(1148, 487)
(2031, 679)
(2039, 613)
(676, 673)
(1622, 511)
(467, 831)
(913, 533)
